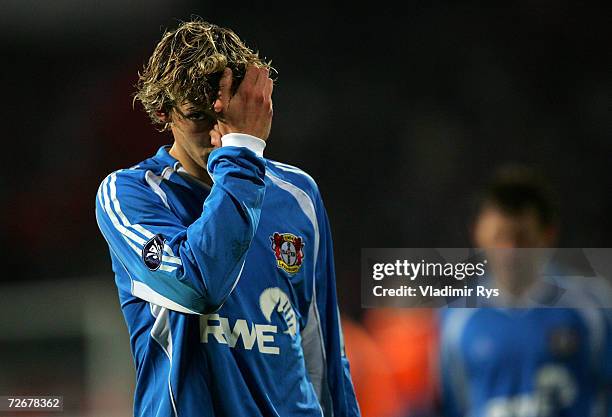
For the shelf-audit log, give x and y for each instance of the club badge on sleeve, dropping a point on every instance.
(288, 250)
(152, 252)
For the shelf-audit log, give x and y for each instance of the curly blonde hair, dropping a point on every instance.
(187, 65)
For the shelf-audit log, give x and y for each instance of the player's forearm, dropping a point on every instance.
(189, 269)
(220, 239)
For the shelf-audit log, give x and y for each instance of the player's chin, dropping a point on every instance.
(204, 145)
(205, 152)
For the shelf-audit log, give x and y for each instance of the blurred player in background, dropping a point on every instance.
(223, 259)
(530, 362)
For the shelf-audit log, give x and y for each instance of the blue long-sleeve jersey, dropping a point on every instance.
(228, 292)
(537, 362)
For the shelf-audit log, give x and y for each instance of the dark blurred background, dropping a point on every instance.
(400, 115)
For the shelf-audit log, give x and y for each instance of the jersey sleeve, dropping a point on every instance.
(187, 268)
(323, 340)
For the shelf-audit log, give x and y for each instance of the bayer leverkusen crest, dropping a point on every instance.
(288, 250)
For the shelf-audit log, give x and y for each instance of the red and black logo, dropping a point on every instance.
(288, 251)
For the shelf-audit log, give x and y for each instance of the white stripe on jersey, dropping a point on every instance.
(113, 218)
(162, 334)
(144, 292)
(171, 258)
(105, 204)
(154, 181)
(123, 228)
(290, 168)
(307, 206)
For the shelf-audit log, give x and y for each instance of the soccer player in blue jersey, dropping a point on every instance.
(223, 259)
(527, 362)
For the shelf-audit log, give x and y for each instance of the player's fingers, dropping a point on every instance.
(268, 87)
(250, 78)
(215, 136)
(264, 76)
(225, 90)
